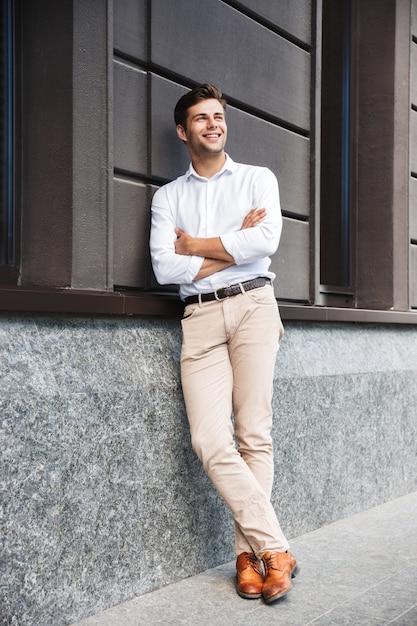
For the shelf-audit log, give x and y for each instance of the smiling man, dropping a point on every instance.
(213, 231)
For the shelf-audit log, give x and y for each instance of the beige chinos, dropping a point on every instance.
(227, 364)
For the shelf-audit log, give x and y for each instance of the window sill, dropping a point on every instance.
(37, 299)
(336, 314)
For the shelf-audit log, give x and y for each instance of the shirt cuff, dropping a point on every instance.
(194, 267)
(230, 245)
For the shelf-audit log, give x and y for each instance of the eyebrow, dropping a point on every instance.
(202, 114)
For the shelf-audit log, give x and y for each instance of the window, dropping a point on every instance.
(335, 207)
(365, 125)
(6, 133)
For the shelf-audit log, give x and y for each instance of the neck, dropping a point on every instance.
(209, 166)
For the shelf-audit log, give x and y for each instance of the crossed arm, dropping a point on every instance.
(216, 257)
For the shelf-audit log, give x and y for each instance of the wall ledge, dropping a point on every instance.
(335, 314)
(65, 300)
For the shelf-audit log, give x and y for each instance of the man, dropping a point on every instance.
(212, 232)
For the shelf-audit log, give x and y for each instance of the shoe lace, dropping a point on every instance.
(253, 562)
(271, 562)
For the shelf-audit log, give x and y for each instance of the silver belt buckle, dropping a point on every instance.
(217, 297)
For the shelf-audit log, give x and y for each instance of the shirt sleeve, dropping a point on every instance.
(169, 267)
(250, 244)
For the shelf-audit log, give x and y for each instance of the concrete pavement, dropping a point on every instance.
(359, 570)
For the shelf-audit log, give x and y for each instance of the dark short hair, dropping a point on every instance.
(189, 99)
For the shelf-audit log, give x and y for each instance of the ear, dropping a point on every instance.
(181, 132)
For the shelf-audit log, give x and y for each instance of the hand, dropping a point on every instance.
(253, 218)
(183, 243)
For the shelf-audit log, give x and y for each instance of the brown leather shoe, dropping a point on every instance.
(280, 567)
(250, 578)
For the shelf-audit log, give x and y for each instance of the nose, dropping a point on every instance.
(211, 122)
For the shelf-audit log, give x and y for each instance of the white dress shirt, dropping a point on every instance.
(216, 207)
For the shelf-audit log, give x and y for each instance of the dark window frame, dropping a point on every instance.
(7, 135)
(377, 110)
(336, 228)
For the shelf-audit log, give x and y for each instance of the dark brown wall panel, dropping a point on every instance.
(291, 262)
(413, 141)
(47, 143)
(130, 27)
(255, 67)
(215, 43)
(91, 262)
(293, 17)
(64, 151)
(252, 140)
(413, 276)
(413, 209)
(382, 164)
(131, 234)
(169, 157)
(130, 120)
(413, 160)
(413, 74)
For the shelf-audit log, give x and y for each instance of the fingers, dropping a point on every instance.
(253, 218)
(257, 216)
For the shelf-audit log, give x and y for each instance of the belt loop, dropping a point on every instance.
(242, 289)
(200, 303)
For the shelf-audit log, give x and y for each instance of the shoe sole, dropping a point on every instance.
(249, 596)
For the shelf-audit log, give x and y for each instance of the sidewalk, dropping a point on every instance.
(360, 570)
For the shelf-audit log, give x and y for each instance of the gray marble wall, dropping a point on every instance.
(103, 498)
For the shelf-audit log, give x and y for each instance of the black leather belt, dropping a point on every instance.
(228, 292)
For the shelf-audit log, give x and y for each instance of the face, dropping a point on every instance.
(206, 130)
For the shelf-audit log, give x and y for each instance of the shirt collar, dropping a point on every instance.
(229, 166)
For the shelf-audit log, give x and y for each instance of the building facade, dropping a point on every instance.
(103, 497)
